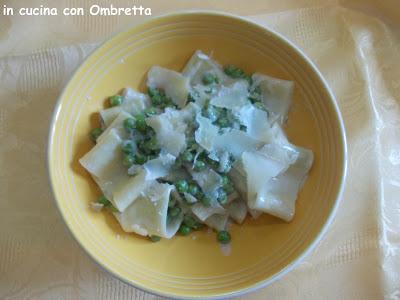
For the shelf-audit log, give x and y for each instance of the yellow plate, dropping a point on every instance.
(195, 267)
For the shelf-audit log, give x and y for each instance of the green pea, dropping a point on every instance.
(155, 238)
(116, 100)
(167, 102)
(210, 79)
(199, 165)
(187, 156)
(225, 180)
(152, 144)
(222, 197)
(129, 124)
(190, 221)
(128, 147)
(128, 160)
(157, 100)
(223, 122)
(139, 159)
(182, 186)
(103, 200)
(149, 146)
(185, 230)
(141, 124)
(151, 111)
(223, 237)
(227, 184)
(174, 211)
(153, 92)
(95, 133)
(157, 96)
(234, 72)
(193, 189)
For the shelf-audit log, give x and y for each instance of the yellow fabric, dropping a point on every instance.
(356, 46)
